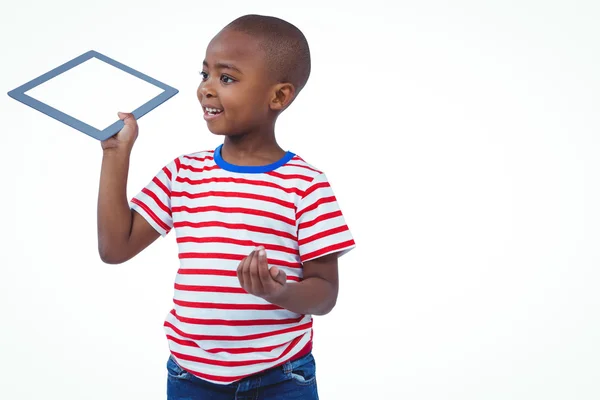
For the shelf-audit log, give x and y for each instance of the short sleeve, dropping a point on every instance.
(153, 202)
(321, 226)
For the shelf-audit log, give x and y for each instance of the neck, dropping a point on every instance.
(251, 148)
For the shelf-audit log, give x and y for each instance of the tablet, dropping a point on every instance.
(87, 92)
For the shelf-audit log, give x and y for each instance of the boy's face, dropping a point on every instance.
(235, 90)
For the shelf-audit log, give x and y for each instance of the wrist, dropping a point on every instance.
(117, 152)
(281, 297)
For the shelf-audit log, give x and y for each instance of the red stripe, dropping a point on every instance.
(224, 306)
(225, 322)
(320, 218)
(151, 214)
(214, 272)
(297, 157)
(313, 188)
(158, 202)
(234, 350)
(327, 250)
(218, 256)
(239, 180)
(198, 158)
(281, 263)
(242, 195)
(161, 185)
(245, 350)
(218, 272)
(290, 176)
(182, 342)
(249, 243)
(254, 336)
(251, 228)
(205, 168)
(210, 289)
(178, 164)
(236, 257)
(215, 256)
(303, 166)
(323, 234)
(234, 363)
(232, 210)
(313, 206)
(168, 173)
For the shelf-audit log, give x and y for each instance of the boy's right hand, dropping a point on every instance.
(126, 137)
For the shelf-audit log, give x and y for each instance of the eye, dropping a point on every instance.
(226, 79)
(204, 75)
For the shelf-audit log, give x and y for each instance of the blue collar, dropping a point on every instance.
(252, 169)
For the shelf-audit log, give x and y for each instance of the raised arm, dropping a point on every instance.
(122, 233)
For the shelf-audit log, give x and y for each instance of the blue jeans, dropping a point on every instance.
(293, 380)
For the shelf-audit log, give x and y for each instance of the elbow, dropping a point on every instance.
(329, 301)
(110, 257)
(326, 307)
(110, 260)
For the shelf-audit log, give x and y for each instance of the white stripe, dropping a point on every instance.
(326, 242)
(321, 226)
(214, 313)
(223, 330)
(211, 297)
(236, 344)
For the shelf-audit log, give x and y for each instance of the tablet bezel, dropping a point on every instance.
(19, 95)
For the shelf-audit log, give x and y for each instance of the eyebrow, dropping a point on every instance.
(221, 65)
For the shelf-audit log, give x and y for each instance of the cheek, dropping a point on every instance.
(244, 104)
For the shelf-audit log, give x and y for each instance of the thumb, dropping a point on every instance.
(278, 275)
(127, 118)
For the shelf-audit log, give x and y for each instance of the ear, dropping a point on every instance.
(283, 94)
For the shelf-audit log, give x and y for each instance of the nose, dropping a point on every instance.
(206, 90)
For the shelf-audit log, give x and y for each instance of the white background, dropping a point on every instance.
(461, 139)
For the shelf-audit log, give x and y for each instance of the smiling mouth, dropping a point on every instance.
(212, 111)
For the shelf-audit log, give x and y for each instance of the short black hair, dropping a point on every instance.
(286, 47)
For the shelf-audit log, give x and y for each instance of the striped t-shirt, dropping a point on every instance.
(221, 212)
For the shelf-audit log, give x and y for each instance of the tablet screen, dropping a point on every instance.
(94, 91)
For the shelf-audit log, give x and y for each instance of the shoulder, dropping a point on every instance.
(198, 156)
(195, 159)
(298, 165)
(309, 177)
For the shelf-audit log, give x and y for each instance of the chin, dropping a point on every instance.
(217, 133)
(216, 130)
(221, 131)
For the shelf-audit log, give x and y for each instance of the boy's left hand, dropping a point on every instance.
(256, 277)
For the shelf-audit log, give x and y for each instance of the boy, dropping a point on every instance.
(259, 230)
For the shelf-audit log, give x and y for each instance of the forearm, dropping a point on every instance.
(313, 295)
(114, 214)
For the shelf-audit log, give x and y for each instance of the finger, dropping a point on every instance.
(263, 267)
(257, 285)
(125, 116)
(246, 272)
(240, 271)
(128, 118)
(109, 141)
(278, 275)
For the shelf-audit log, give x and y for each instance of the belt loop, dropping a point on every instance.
(287, 367)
